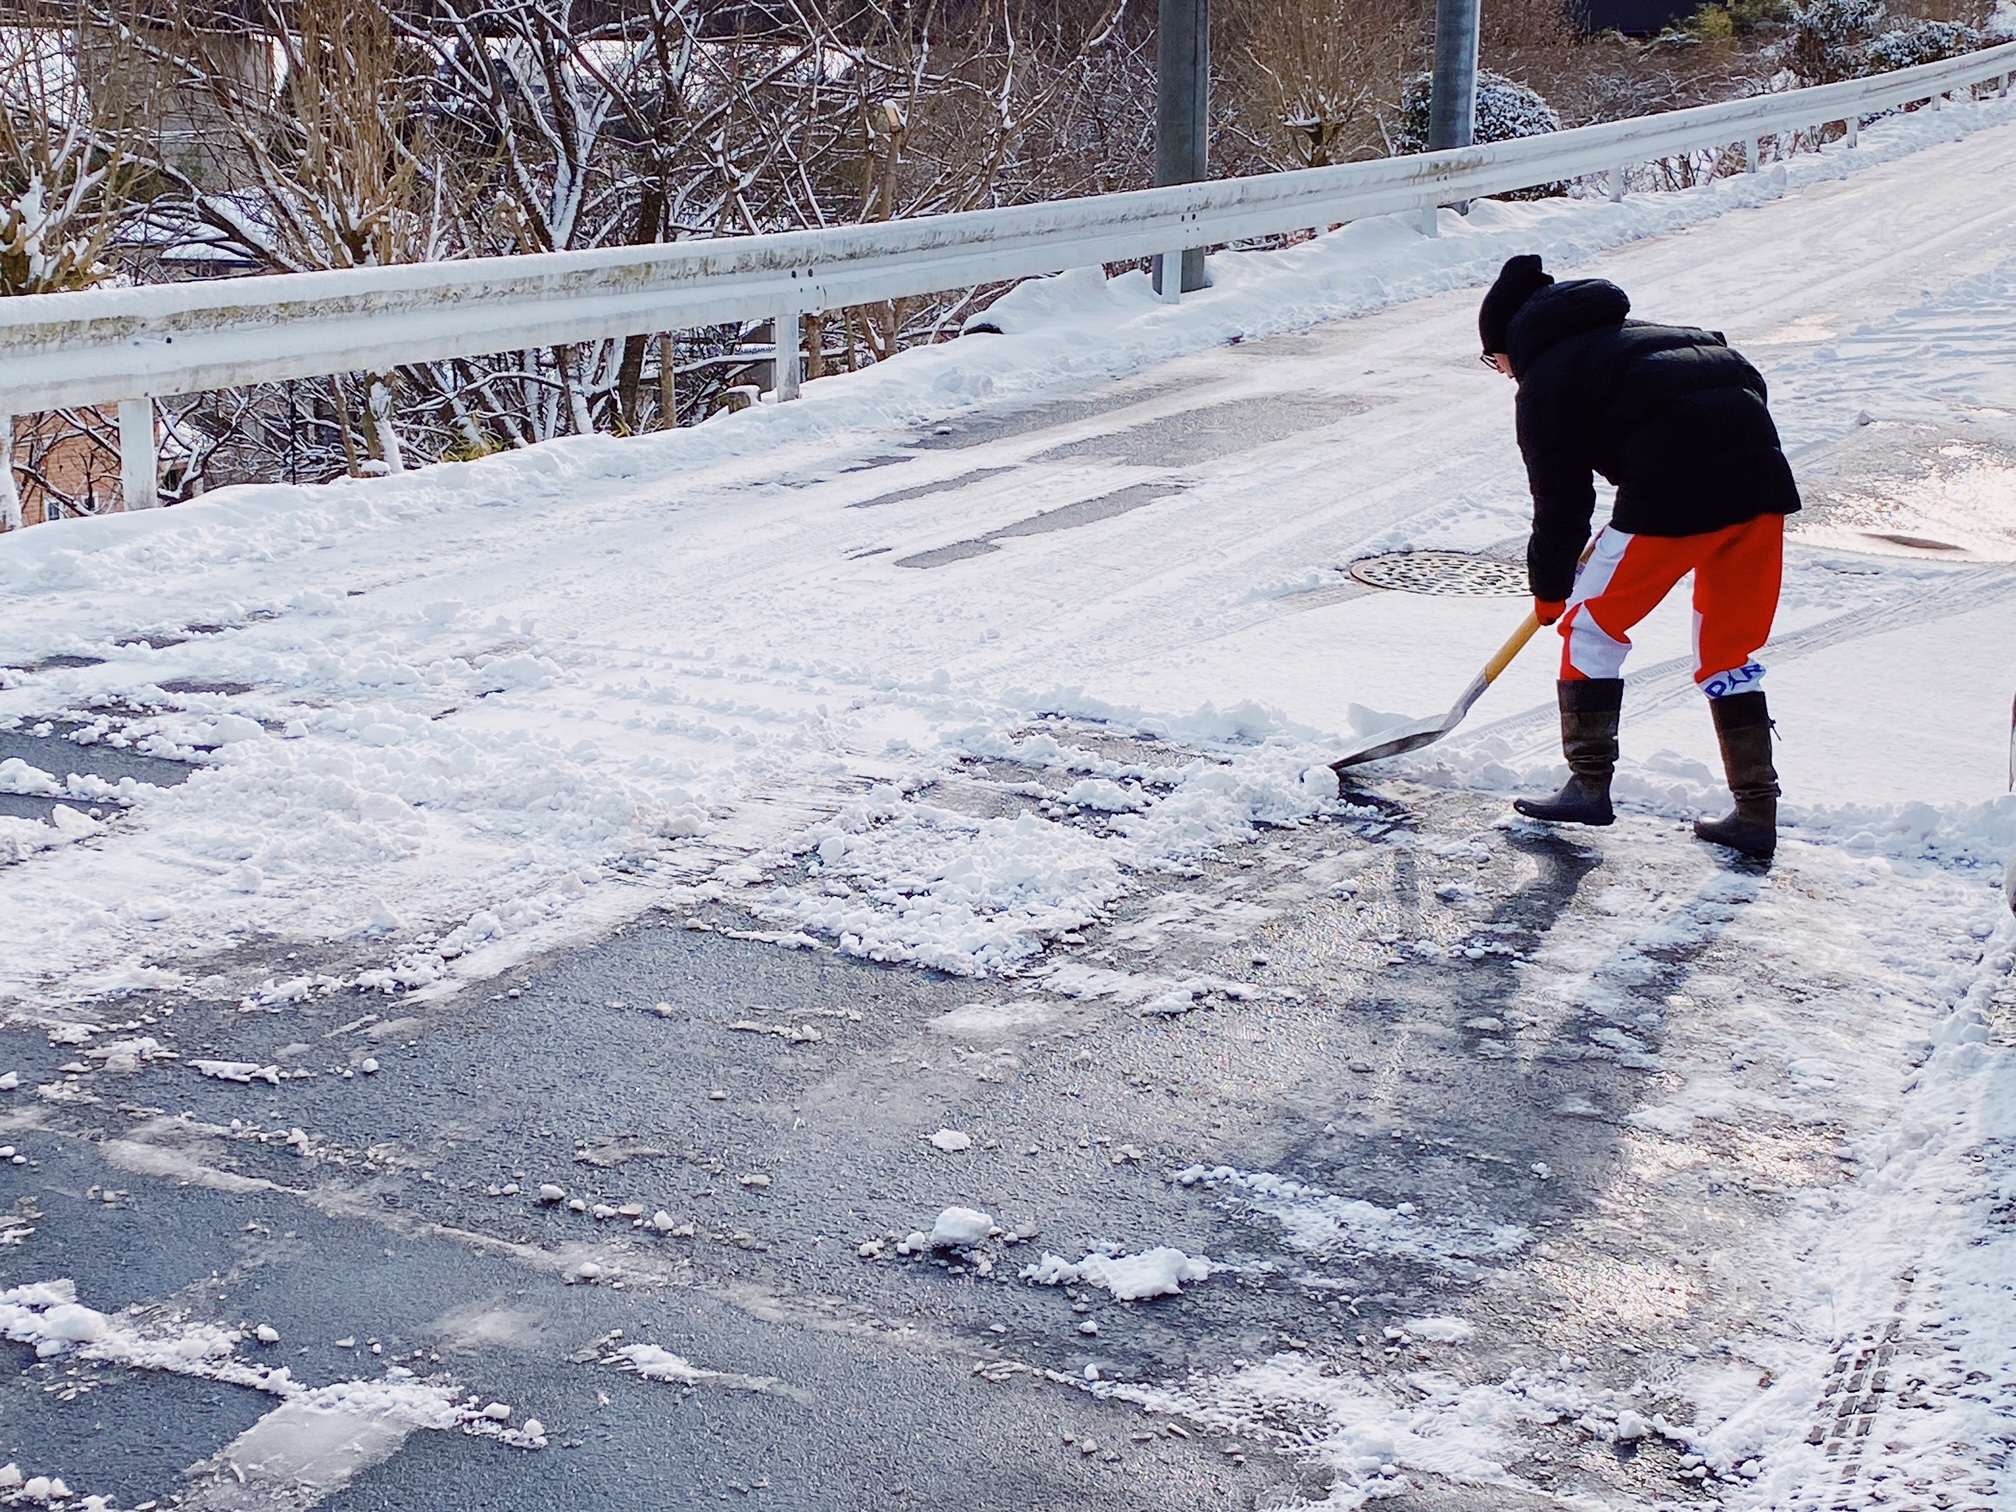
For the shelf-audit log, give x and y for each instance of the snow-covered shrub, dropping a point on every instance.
(1830, 39)
(1506, 110)
(1922, 42)
(1850, 39)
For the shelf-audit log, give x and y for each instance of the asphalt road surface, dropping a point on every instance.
(1364, 1008)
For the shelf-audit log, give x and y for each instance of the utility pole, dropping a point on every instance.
(1452, 106)
(1452, 99)
(1182, 115)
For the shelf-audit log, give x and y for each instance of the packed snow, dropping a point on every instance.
(480, 724)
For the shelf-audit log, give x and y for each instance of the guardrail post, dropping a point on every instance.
(668, 381)
(1750, 156)
(1431, 220)
(1182, 122)
(1617, 184)
(1854, 124)
(139, 461)
(786, 366)
(10, 496)
(1168, 288)
(2003, 92)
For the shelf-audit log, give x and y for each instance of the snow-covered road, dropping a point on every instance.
(447, 707)
(980, 660)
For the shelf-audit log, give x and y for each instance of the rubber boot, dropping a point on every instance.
(1590, 710)
(1743, 724)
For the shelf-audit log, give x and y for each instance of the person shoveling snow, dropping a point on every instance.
(1678, 422)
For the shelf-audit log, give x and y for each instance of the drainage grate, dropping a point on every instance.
(1452, 574)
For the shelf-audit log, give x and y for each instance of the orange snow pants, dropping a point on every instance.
(1737, 572)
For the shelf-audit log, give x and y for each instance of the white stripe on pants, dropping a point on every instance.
(1591, 651)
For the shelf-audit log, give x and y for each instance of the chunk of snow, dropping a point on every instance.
(1159, 1272)
(951, 1141)
(238, 1071)
(959, 1226)
(655, 1364)
(1441, 1330)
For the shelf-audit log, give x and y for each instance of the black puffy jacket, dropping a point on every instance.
(1669, 414)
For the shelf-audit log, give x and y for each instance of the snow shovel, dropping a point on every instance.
(1425, 732)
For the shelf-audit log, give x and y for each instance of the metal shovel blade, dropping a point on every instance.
(1424, 732)
(1399, 740)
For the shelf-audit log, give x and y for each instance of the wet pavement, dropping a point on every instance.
(1360, 1008)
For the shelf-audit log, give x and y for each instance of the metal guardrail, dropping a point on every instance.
(132, 345)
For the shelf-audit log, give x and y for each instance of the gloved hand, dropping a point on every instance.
(1547, 610)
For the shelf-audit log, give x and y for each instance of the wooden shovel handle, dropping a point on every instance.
(1512, 647)
(1531, 623)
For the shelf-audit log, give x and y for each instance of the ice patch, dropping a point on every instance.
(1322, 1223)
(991, 1020)
(314, 1443)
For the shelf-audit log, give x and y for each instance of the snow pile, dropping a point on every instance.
(959, 1225)
(237, 1071)
(1325, 1224)
(1159, 1272)
(908, 880)
(1366, 1436)
(22, 838)
(938, 888)
(16, 776)
(1370, 1437)
(318, 1441)
(49, 1316)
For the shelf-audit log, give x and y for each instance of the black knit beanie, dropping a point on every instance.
(1518, 281)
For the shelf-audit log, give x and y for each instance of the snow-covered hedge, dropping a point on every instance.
(1505, 109)
(1851, 39)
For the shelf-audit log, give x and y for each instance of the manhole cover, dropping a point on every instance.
(1453, 574)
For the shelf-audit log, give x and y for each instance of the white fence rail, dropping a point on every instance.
(129, 346)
